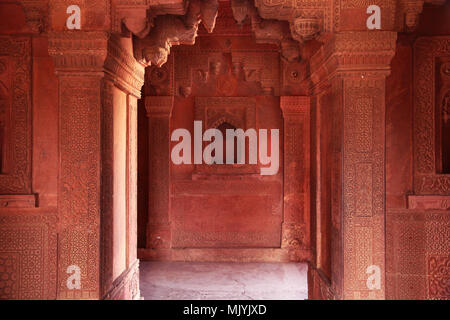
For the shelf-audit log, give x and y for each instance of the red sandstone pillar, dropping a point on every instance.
(357, 64)
(99, 84)
(295, 229)
(121, 89)
(79, 60)
(159, 110)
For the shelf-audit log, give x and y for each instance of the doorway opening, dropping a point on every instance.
(222, 221)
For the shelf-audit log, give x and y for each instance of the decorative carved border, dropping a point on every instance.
(18, 178)
(429, 202)
(363, 184)
(417, 256)
(79, 201)
(426, 179)
(28, 254)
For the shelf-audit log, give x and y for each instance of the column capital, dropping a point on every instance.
(159, 106)
(122, 68)
(350, 53)
(294, 105)
(74, 52)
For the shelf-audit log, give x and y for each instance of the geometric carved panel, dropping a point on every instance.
(15, 70)
(363, 184)
(427, 50)
(28, 254)
(418, 254)
(439, 277)
(9, 275)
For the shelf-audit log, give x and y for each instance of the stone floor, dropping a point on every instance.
(223, 281)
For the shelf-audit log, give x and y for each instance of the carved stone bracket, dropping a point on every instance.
(170, 30)
(36, 12)
(409, 13)
(306, 20)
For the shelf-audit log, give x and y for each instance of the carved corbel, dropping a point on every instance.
(139, 26)
(268, 31)
(273, 31)
(171, 30)
(204, 11)
(168, 31)
(209, 10)
(276, 9)
(240, 10)
(35, 13)
(290, 50)
(304, 29)
(412, 9)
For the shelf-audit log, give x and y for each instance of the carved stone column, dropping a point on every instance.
(79, 60)
(295, 231)
(159, 110)
(357, 65)
(123, 80)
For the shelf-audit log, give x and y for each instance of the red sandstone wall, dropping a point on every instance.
(28, 187)
(417, 230)
(31, 266)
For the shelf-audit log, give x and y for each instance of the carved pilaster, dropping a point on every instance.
(79, 60)
(15, 115)
(159, 110)
(355, 64)
(295, 232)
(363, 62)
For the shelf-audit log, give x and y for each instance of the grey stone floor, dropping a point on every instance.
(223, 281)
